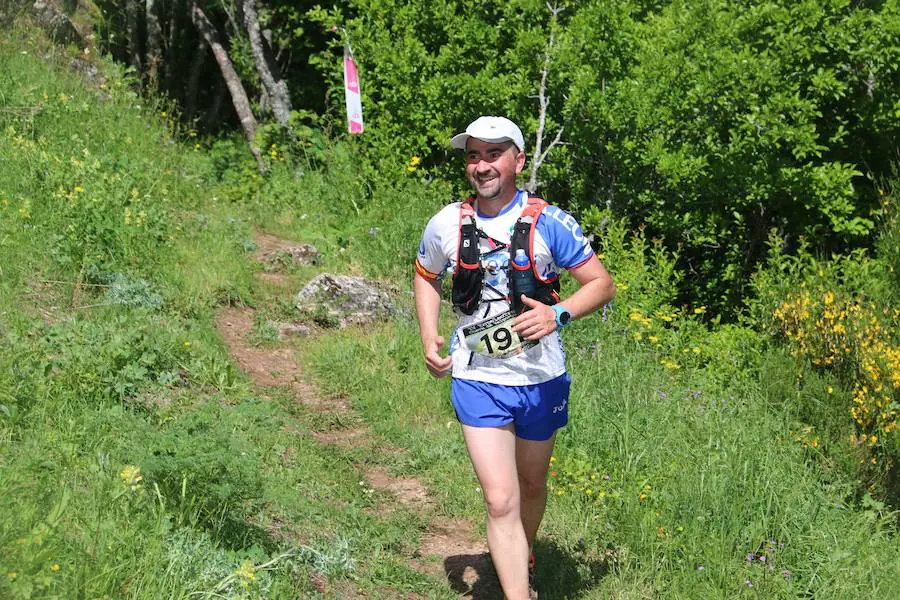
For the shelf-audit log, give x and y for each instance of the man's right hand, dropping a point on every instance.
(439, 366)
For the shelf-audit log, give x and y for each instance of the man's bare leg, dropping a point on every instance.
(532, 463)
(493, 454)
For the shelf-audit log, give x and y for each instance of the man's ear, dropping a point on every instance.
(520, 162)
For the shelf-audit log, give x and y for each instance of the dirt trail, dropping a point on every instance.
(464, 561)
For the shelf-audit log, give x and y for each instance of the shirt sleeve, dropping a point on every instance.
(431, 261)
(568, 245)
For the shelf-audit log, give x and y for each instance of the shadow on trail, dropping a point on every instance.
(473, 576)
(559, 575)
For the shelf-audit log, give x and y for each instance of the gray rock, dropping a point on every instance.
(289, 330)
(55, 22)
(87, 69)
(305, 254)
(342, 300)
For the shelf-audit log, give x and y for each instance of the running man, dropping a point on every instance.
(509, 384)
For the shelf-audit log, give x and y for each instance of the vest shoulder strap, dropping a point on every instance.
(530, 215)
(468, 277)
(467, 250)
(467, 207)
(534, 207)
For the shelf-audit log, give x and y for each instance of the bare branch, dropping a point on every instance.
(539, 153)
(235, 87)
(274, 86)
(556, 140)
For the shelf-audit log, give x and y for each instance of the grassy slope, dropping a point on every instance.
(687, 473)
(88, 389)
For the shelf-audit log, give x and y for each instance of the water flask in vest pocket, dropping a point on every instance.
(521, 280)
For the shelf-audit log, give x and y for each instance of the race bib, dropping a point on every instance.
(495, 338)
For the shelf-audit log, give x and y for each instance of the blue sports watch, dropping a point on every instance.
(563, 317)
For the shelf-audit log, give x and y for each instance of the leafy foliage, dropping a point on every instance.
(711, 123)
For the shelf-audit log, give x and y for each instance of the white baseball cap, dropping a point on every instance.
(490, 129)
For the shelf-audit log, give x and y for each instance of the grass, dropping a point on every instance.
(672, 480)
(665, 486)
(90, 389)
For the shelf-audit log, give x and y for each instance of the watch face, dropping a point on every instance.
(563, 316)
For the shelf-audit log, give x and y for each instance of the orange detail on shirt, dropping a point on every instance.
(425, 272)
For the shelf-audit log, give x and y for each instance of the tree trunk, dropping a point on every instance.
(275, 86)
(235, 87)
(176, 11)
(133, 18)
(211, 116)
(193, 82)
(154, 41)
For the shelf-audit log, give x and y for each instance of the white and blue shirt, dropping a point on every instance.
(559, 243)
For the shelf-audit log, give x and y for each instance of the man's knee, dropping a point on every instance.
(502, 503)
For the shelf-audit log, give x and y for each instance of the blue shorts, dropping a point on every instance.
(536, 411)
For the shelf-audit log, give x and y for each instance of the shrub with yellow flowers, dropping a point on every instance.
(855, 339)
(647, 281)
(677, 336)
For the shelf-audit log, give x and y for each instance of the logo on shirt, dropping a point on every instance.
(567, 221)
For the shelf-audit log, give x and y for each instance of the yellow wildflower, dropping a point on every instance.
(246, 571)
(131, 477)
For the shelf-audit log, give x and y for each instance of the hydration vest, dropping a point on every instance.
(468, 277)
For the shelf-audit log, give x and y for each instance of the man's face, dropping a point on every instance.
(492, 167)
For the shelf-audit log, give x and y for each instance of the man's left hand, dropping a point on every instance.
(535, 323)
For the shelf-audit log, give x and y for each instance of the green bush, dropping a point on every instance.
(709, 123)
